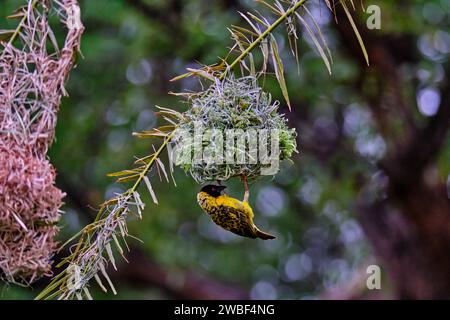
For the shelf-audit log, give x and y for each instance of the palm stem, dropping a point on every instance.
(152, 160)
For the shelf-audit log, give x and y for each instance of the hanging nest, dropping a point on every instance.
(238, 104)
(29, 203)
(32, 77)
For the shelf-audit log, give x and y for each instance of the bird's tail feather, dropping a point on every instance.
(264, 235)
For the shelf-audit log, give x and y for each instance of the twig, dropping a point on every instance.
(247, 190)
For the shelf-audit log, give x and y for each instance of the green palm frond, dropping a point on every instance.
(259, 33)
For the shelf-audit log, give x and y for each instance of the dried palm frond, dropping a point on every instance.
(94, 249)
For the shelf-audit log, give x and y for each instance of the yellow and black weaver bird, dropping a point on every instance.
(230, 213)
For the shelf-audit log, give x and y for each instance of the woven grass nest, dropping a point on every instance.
(233, 103)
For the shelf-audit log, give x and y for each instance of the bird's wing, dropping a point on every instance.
(234, 219)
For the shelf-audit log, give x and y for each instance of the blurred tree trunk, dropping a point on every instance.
(409, 228)
(179, 284)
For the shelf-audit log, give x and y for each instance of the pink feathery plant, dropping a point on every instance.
(33, 70)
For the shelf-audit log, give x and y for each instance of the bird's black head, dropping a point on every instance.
(213, 190)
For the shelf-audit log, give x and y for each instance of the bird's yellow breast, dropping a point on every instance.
(210, 204)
